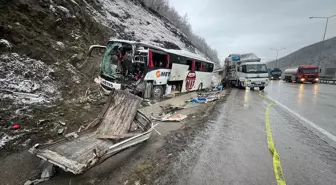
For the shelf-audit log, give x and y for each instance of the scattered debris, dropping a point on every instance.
(71, 135)
(62, 123)
(26, 143)
(6, 138)
(16, 126)
(48, 170)
(171, 109)
(87, 106)
(80, 128)
(60, 131)
(170, 117)
(29, 182)
(42, 121)
(199, 100)
(5, 45)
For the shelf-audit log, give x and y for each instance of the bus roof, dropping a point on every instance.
(171, 51)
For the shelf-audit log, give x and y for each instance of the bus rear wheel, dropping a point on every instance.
(157, 92)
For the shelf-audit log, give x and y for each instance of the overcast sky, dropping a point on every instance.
(236, 26)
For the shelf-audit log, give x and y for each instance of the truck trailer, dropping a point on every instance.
(303, 73)
(246, 70)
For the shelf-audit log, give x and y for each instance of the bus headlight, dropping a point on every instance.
(302, 79)
(316, 79)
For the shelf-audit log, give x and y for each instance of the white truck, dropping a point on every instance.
(246, 70)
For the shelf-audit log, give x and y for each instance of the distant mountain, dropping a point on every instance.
(324, 51)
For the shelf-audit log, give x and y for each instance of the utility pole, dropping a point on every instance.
(325, 31)
(277, 54)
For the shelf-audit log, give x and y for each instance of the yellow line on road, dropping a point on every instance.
(276, 158)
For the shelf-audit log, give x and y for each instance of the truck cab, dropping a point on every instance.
(246, 70)
(275, 74)
(253, 74)
(301, 74)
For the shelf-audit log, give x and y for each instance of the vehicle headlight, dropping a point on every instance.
(316, 79)
(280, 77)
(272, 77)
(302, 79)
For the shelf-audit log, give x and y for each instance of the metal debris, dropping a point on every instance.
(62, 123)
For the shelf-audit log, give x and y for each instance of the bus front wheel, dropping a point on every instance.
(157, 92)
(261, 88)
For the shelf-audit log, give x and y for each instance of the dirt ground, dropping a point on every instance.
(141, 164)
(149, 169)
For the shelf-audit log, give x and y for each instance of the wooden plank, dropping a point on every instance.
(119, 116)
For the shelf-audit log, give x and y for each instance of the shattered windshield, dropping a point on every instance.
(110, 65)
(256, 68)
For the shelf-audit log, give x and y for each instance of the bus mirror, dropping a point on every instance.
(94, 47)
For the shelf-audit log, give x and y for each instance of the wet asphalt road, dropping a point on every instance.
(315, 102)
(233, 149)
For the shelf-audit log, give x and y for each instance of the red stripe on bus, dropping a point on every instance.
(150, 56)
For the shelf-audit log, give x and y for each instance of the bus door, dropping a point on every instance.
(178, 72)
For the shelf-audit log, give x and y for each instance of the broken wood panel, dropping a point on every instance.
(119, 116)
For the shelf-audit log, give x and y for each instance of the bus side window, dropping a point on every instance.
(205, 66)
(189, 63)
(210, 69)
(198, 66)
(159, 60)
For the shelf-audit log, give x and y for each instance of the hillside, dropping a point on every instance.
(310, 55)
(42, 43)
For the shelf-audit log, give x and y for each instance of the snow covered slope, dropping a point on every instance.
(137, 22)
(40, 36)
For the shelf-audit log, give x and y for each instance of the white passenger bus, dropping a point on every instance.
(152, 71)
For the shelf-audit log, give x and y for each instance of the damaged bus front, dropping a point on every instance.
(150, 71)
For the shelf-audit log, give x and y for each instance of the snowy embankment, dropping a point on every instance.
(139, 23)
(25, 80)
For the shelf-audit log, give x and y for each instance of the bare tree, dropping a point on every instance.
(183, 24)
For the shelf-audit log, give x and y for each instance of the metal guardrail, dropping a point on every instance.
(326, 81)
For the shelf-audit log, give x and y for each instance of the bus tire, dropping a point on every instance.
(200, 87)
(261, 88)
(157, 92)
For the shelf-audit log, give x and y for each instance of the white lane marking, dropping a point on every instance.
(324, 132)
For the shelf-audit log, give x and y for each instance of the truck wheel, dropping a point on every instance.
(239, 85)
(157, 92)
(261, 88)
